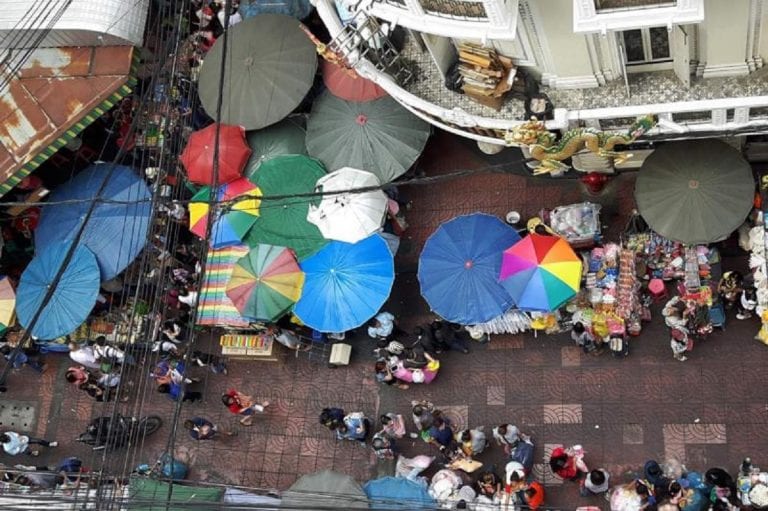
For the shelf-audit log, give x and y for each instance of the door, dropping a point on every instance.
(681, 55)
(623, 60)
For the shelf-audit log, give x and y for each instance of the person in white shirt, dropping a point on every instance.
(110, 354)
(14, 443)
(381, 326)
(595, 483)
(83, 355)
(506, 435)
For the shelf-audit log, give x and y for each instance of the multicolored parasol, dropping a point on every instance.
(236, 218)
(7, 303)
(265, 283)
(540, 272)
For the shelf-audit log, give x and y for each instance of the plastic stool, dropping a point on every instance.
(658, 290)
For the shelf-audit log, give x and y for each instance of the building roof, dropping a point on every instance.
(54, 96)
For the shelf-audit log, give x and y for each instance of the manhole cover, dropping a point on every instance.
(17, 415)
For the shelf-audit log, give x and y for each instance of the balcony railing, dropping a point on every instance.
(608, 5)
(458, 9)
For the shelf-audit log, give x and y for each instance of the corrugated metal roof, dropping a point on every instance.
(53, 97)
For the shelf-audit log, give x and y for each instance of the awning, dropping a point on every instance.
(53, 97)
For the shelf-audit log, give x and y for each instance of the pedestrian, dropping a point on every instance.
(288, 338)
(14, 443)
(173, 331)
(595, 483)
(422, 412)
(79, 375)
(19, 357)
(176, 391)
(515, 481)
(392, 425)
(489, 485)
(331, 417)
(567, 463)
(679, 343)
(244, 405)
(202, 429)
(83, 355)
(108, 355)
(440, 434)
(506, 436)
(213, 362)
(473, 441)
(533, 495)
(383, 374)
(582, 337)
(354, 426)
(381, 326)
(446, 337)
(383, 446)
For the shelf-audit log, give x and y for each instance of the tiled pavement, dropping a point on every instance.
(710, 410)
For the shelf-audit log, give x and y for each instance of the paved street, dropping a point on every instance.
(710, 410)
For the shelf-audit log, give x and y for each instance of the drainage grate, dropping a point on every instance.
(18, 415)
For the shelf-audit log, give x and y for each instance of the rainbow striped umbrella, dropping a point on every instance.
(265, 283)
(540, 272)
(7, 304)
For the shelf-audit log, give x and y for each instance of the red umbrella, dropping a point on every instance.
(234, 152)
(348, 85)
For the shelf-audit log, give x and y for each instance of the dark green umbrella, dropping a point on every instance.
(283, 222)
(695, 191)
(270, 67)
(379, 136)
(286, 137)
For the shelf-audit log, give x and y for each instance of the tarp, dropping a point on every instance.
(151, 494)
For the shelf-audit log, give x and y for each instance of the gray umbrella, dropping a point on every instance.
(325, 490)
(286, 137)
(379, 136)
(695, 191)
(270, 67)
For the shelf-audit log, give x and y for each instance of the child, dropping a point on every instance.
(243, 405)
(679, 344)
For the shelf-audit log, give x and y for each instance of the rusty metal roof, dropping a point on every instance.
(57, 93)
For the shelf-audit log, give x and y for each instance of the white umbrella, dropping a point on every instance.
(348, 215)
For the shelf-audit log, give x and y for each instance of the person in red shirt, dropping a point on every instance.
(534, 495)
(241, 404)
(563, 464)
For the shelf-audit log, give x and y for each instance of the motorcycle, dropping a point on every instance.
(118, 431)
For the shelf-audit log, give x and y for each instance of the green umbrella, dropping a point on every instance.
(270, 67)
(325, 490)
(379, 136)
(696, 191)
(286, 137)
(283, 222)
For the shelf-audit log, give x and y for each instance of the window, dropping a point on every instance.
(646, 46)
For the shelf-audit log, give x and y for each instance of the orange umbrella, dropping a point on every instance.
(348, 85)
(233, 153)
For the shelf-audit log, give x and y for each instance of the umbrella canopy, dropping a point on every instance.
(286, 137)
(7, 303)
(297, 8)
(265, 283)
(540, 272)
(325, 490)
(129, 218)
(73, 298)
(398, 493)
(236, 217)
(346, 84)
(283, 222)
(695, 191)
(459, 269)
(348, 216)
(346, 284)
(270, 67)
(198, 154)
(380, 136)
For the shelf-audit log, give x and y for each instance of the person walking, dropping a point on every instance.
(15, 443)
(244, 405)
(200, 428)
(679, 343)
(596, 483)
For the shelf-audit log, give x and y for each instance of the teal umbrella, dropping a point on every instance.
(270, 66)
(379, 136)
(286, 137)
(283, 222)
(695, 191)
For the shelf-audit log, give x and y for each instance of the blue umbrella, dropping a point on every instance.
(398, 493)
(345, 284)
(459, 269)
(73, 298)
(115, 233)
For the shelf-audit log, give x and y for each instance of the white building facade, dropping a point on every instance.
(697, 64)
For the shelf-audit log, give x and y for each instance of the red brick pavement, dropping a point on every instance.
(710, 410)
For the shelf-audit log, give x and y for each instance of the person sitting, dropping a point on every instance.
(564, 464)
(446, 338)
(384, 375)
(583, 338)
(332, 417)
(79, 375)
(472, 441)
(488, 485)
(381, 326)
(730, 287)
(355, 426)
(533, 495)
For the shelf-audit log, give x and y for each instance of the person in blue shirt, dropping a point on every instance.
(440, 433)
(202, 429)
(177, 391)
(354, 427)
